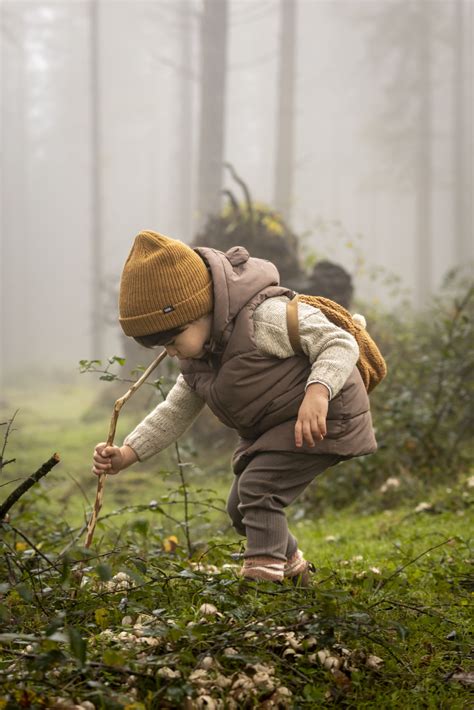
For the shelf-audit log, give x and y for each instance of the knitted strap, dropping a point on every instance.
(292, 324)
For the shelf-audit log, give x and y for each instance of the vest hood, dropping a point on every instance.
(237, 278)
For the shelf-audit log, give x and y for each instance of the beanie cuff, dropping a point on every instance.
(172, 315)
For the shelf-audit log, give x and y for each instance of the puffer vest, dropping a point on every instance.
(256, 394)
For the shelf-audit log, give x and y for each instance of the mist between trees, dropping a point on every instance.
(352, 119)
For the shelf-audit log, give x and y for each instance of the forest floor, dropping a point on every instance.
(155, 615)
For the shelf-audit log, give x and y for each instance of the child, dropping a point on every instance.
(224, 317)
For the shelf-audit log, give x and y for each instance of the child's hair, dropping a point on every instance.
(153, 339)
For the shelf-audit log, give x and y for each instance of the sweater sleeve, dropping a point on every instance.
(165, 424)
(332, 351)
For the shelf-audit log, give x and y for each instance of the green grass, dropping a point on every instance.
(395, 585)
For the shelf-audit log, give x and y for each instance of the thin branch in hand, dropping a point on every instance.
(110, 440)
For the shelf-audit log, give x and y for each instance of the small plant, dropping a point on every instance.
(191, 504)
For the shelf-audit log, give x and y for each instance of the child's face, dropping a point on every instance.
(190, 343)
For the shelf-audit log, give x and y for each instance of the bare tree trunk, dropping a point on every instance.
(213, 86)
(13, 193)
(185, 157)
(97, 255)
(423, 179)
(286, 91)
(462, 149)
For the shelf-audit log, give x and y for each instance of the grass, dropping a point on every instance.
(386, 622)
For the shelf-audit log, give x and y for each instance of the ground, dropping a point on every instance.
(155, 615)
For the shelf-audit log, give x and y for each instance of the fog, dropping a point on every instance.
(104, 133)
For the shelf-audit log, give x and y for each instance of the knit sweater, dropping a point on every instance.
(332, 353)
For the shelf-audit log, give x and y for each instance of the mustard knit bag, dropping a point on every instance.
(371, 364)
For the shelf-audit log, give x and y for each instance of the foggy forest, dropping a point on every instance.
(354, 119)
(333, 139)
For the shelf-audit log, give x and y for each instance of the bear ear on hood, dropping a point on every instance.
(237, 255)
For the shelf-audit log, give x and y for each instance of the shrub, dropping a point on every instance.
(422, 411)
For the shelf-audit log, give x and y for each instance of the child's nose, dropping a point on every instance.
(171, 350)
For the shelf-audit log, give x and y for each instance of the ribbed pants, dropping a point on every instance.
(259, 495)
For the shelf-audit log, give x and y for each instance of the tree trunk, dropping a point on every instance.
(97, 250)
(213, 85)
(423, 178)
(285, 128)
(462, 149)
(13, 195)
(185, 157)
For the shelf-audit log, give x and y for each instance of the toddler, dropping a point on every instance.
(223, 316)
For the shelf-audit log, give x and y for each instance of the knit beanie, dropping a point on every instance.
(164, 284)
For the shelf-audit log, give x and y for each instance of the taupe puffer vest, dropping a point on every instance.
(257, 395)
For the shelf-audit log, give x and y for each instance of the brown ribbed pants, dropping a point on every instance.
(268, 484)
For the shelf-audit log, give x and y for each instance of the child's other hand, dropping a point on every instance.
(107, 459)
(311, 422)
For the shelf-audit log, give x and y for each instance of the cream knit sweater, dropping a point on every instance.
(332, 352)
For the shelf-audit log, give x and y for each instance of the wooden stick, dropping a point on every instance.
(110, 440)
(26, 485)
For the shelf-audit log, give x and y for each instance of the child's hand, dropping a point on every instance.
(311, 422)
(112, 459)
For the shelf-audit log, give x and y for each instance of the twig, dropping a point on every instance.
(383, 582)
(393, 602)
(5, 463)
(84, 494)
(217, 547)
(390, 651)
(110, 440)
(12, 480)
(5, 440)
(11, 575)
(184, 487)
(143, 508)
(27, 484)
(73, 541)
(246, 192)
(33, 547)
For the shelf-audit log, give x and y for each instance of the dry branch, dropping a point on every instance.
(27, 484)
(110, 440)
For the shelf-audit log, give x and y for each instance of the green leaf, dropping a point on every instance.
(140, 565)
(141, 526)
(113, 658)
(77, 645)
(104, 572)
(25, 592)
(51, 658)
(120, 360)
(102, 617)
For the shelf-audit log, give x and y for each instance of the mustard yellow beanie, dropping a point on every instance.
(164, 284)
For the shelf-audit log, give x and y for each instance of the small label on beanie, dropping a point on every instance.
(168, 309)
